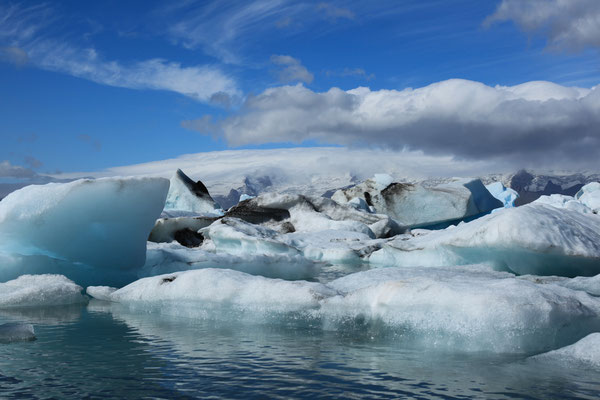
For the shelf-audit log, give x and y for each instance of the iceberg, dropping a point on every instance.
(40, 291)
(16, 332)
(533, 239)
(563, 201)
(421, 205)
(79, 227)
(468, 308)
(187, 195)
(506, 195)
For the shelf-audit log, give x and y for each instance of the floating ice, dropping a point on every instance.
(187, 195)
(534, 239)
(506, 195)
(86, 224)
(466, 308)
(16, 332)
(168, 229)
(418, 205)
(589, 195)
(39, 291)
(586, 352)
(189, 291)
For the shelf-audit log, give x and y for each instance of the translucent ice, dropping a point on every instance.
(506, 195)
(86, 224)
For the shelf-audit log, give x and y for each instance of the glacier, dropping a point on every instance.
(85, 229)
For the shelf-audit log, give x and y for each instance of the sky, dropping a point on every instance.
(85, 86)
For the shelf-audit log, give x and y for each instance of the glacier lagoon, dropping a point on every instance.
(293, 296)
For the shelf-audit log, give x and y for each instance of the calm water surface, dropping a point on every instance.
(106, 351)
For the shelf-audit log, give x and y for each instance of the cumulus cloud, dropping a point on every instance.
(568, 24)
(31, 37)
(7, 170)
(291, 69)
(531, 122)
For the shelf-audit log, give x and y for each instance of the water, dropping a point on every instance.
(103, 350)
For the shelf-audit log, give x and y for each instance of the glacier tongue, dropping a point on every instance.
(84, 225)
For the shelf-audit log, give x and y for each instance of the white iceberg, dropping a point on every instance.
(40, 291)
(16, 332)
(187, 195)
(534, 239)
(419, 205)
(82, 225)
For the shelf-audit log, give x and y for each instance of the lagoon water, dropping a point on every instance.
(103, 350)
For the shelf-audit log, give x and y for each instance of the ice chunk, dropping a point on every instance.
(465, 308)
(564, 201)
(171, 257)
(534, 239)
(187, 195)
(506, 195)
(586, 352)
(95, 224)
(101, 292)
(418, 205)
(589, 195)
(16, 332)
(39, 290)
(382, 181)
(201, 289)
(245, 196)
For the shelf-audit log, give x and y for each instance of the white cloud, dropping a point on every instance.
(7, 170)
(568, 24)
(28, 34)
(14, 55)
(334, 12)
(536, 122)
(291, 70)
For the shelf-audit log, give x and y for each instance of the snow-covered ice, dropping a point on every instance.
(589, 195)
(564, 201)
(418, 205)
(533, 239)
(86, 224)
(39, 291)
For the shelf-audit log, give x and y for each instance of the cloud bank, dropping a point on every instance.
(535, 122)
(568, 24)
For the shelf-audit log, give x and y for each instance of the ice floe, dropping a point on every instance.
(39, 291)
(586, 351)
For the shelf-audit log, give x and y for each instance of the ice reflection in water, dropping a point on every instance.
(104, 350)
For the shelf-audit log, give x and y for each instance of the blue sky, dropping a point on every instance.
(89, 85)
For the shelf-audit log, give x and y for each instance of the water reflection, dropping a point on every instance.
(105, 350)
